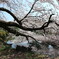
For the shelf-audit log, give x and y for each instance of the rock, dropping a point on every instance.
(14, 45)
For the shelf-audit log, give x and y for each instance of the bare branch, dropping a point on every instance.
(25, 28)
(29, 11)
(15, 18)
(57, 24)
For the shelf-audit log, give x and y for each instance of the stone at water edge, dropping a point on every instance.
(14, 45)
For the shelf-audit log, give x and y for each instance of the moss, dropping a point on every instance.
(3, 34)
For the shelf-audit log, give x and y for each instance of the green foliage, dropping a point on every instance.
(4, 47)
(4, 37)
(3, 34)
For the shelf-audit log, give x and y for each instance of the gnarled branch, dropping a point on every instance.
(25, 28)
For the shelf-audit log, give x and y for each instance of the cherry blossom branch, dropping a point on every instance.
(25, 28)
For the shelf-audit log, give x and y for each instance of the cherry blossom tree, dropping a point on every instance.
(20, 11)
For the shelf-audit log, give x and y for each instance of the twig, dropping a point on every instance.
(29, 11)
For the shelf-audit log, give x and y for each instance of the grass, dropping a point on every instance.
(9, 53)
(12, 54)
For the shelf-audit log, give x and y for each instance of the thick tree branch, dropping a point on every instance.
(5, 25)
(11, 30)
(9, 23)
(15, 32)
(25, 28)
(15, 18)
